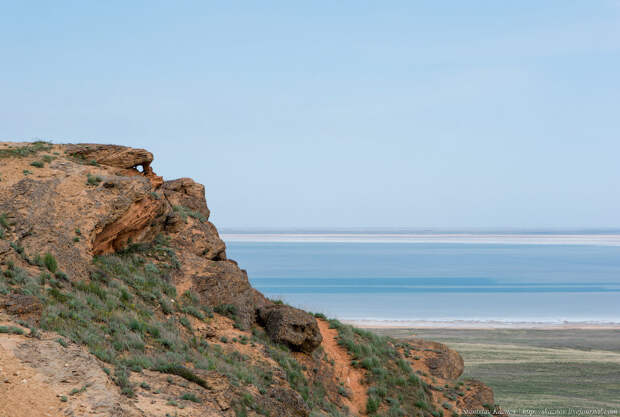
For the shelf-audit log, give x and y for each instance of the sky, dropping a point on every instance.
(337, 114)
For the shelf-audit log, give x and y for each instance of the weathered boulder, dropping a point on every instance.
(284, 402)
(117, 156)
(441, 361)
(222, 282)
(187, 193)
(291, 326)
(478, 397)
(112, 155)
(23, 305)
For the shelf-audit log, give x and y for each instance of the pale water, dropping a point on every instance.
(405, 281)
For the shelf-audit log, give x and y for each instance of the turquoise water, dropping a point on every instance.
(439, 281)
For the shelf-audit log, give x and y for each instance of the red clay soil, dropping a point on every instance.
(353, 378)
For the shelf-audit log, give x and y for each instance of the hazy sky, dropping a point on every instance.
(337, 113)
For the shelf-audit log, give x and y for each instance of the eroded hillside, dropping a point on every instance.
(117, 299)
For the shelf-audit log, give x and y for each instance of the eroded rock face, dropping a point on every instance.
(291, 326)
(441, 361)
(294, 404)
(95, 201)
(134, 225)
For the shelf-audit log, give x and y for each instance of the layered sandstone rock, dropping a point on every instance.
(98, 199)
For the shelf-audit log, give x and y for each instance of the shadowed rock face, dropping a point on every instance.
(291, 326)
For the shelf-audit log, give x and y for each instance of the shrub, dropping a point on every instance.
(19, 249)
(61, 275)
(37, 164)
(121, 377)
(50, 262)
(227, 310)
(372, 404)
(185, 322)
(11, 330)
(193, 311)
(185, 212)
(93, 180)
(188, 396)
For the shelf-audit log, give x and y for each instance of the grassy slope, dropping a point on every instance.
(538, 368)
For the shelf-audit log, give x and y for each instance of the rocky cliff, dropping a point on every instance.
(117, 299)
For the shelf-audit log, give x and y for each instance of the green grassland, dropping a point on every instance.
(531, 369)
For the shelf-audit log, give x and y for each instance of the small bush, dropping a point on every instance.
(227, 310)
(11, 330)
(50, 262)
(186, 212)
(37, 164)
(3, 221)
(121, 377)
(372, 404)
(93, 180)
(185, 322)
(61, 275)
(188, 396)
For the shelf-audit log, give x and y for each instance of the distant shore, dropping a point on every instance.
(547, 238)
(481, 325)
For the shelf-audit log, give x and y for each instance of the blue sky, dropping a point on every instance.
(454, 114)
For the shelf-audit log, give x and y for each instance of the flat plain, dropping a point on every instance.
(567, 372)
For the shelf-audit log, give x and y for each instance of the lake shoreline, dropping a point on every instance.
(480, 325)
